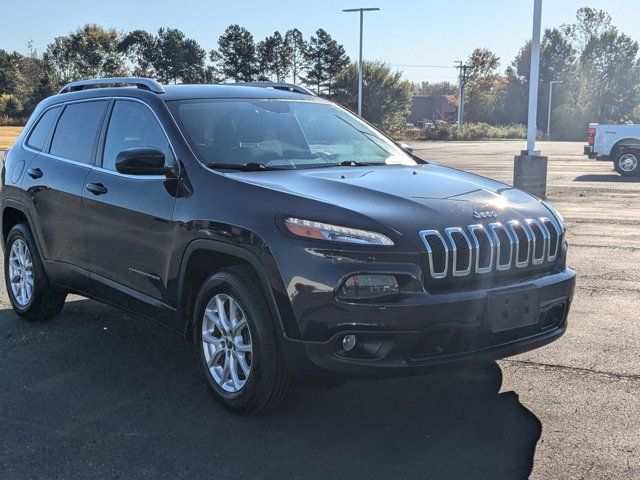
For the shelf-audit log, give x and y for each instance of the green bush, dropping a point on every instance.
(472, 131)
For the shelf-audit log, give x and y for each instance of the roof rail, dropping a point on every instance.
(143, 83)
(289, 87)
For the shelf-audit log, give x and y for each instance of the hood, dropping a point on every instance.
(405, 198)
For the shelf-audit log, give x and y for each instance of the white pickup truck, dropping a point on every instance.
(617, 143)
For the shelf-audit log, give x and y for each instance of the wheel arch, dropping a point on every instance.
(624, 143)
(14, 212)
(203, 257)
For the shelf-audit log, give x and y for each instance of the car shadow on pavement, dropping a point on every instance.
(611, 177)
(98, 393)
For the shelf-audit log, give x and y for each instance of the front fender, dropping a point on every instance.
(262, 264)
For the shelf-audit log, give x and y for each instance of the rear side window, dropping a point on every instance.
(40, 133)
(133, 124)
(77, 130)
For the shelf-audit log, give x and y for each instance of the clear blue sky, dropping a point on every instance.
(405, 32)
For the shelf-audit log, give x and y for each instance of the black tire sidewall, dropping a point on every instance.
(616, 162)
(22, 232)
(263, 347)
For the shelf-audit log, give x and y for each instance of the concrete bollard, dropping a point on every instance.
(530, 173)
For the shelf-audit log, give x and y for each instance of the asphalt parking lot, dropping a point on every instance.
(98, 393)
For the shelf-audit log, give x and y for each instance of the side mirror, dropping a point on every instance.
(405, 147)
(142, 161)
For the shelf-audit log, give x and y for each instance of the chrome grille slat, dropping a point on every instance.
(535, 236)
(476, 245)
(513, 226)
(424, 234)
(547, 221)
(545, 240)
(449, 232)
(494, 227)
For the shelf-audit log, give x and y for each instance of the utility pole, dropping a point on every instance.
(551, 83)
(462, 81)
(361, 11)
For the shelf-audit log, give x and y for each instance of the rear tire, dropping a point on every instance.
(627, 162)
(238, 351)
(31, 294)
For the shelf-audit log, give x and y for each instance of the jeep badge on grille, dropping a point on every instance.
(486, 214)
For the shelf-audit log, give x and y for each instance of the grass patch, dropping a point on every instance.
(8, 135)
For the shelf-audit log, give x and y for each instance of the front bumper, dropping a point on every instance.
(428, 330)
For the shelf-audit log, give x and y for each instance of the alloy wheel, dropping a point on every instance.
(21, 272)
(226, 342)
(628, 162)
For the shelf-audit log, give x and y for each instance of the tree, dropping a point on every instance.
(8, 70)
(91, 51)
(10, 106)
(170, 56)
(386, 97)
(274, 57)
(236, 54)
(283, 57)
(141, 48)
(485, 88)
(267, 57)
(180, 58)
(298, 52)
(35, 82)
(437, 88)
(325, 58)
(557, 62)
(590, 23)
(481, 63)
(25, 80)
(610, 76)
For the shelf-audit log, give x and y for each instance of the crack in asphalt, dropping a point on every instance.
(608, 247)
(603, 221)
(592, 289)
(551, 366)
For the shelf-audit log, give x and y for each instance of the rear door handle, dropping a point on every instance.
(35, 172)
(96, 188)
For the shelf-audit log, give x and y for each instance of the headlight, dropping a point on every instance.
(334, 233)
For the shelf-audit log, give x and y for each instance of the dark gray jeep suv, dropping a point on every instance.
(291, 240)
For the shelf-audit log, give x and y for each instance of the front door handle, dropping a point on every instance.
(96, 188)
(35, 173)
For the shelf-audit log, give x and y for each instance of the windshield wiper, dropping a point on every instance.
(354, 163)
(245, 167)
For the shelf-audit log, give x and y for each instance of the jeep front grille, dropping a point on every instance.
(481, 249)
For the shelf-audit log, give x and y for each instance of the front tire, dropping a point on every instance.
(31, 294)
(236, 343)
(627, 162)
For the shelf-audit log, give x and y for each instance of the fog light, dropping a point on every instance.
(360, 287)
(348, 342)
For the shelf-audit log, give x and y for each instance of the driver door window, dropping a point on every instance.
(133, 124)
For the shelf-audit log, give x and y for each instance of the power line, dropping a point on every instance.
(410, 65)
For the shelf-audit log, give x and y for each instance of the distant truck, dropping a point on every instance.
(617, 143)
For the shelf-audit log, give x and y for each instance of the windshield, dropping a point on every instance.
(281, 134)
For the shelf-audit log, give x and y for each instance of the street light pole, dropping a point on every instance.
(361, 11)
(530, 168)
(533, 78)
(360, 68)
(551, 83)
